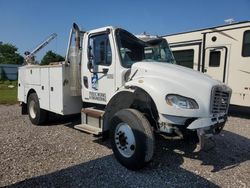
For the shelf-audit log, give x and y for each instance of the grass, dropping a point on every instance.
(8, 95)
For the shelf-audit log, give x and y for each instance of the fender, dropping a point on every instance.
(31, 90)
(123, 98)
(135, 98)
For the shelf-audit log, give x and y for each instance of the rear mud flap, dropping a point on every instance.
(24, 110)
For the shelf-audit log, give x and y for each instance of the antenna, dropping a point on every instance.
(229, 21)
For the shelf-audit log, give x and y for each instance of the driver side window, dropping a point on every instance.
(100, 50)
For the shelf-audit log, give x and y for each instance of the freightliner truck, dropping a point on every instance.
(126, 88)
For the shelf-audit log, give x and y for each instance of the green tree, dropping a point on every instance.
(9, 55)
(51, 57)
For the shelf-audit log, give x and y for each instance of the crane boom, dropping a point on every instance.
(30, 56)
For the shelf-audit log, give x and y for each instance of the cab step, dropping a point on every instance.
(92, 121)
(89, 129)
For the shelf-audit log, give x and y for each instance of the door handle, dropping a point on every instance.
(85, 82)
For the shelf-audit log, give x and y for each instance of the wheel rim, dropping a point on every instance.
(125, 140)
(32, 109)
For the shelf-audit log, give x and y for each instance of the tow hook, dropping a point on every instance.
(202, 138)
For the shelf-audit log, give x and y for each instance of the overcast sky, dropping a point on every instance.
(25, 23)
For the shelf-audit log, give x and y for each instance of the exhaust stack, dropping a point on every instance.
(74, 60)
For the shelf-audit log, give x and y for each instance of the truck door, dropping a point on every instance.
(216, 62)
(99, 68)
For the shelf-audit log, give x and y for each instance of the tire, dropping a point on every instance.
(132, 139)
(37, 115)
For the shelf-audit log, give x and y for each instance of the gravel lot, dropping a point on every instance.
(57, 155)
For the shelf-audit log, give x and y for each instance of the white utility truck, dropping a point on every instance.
(126, 87)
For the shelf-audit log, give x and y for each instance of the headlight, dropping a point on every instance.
(178, 101)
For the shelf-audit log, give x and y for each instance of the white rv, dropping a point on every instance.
(222, 52)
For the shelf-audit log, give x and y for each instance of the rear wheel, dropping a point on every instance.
(36, 114)
(132, 139)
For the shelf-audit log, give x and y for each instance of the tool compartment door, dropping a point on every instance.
(44, 89)
(56, 89)
(33, 76)
(21, 82)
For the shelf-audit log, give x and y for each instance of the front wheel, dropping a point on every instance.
(132, 139)
(36, 114)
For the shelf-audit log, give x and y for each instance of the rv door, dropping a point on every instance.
(216, 62)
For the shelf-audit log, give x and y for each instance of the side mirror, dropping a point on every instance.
(90, 66)
(105, 70)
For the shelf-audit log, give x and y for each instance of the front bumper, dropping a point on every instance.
(211, 125)
(208, 122)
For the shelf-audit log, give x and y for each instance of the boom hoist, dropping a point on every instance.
(30, 56)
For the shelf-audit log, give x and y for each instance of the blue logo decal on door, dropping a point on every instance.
(94, 81)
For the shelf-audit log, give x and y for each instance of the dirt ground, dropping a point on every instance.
(56, 155)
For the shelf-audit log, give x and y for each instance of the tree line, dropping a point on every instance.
(9, 55)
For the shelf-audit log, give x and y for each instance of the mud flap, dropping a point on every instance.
(24, 110)
(202, 139)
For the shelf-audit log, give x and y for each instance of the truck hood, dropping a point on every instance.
(172, 73)
(161, 79)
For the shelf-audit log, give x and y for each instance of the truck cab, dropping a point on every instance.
(130, 89)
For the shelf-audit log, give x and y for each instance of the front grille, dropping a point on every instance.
(220, 100)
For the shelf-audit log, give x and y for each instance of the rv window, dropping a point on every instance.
(214, 59)
(246, 44)
(184, 58)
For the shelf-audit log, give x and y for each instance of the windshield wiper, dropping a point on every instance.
(133, 75)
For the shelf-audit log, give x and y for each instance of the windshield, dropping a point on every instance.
(132, 49)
